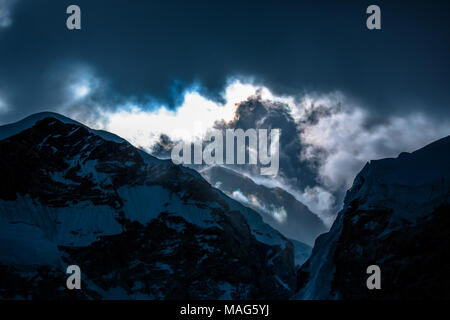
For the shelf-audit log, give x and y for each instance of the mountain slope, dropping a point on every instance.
(396, 216)
(138, 227)
(277, 207)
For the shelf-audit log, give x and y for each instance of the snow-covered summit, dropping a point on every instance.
(138, 227)
(406, 183)
(396, 216)
(12, 129)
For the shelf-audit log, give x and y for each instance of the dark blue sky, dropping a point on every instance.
(155, 48)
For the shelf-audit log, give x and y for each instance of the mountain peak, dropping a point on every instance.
(395, 216)
(279, 208)
(12, 129)
(70, 196)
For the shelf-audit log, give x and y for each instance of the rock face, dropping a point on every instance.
(138, 227)
(278, 208)
(396, 216)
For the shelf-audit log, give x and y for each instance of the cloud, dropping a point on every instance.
(342, 139)
(6, 7)
(279, 214)
(143, 124)
(238, 195)
(326, 137)
(317, 199)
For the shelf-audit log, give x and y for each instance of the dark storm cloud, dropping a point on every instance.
(256, 113)
(153, 49)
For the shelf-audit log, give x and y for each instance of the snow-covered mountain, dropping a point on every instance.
(137, 226)
(396, 216)
(279, 209)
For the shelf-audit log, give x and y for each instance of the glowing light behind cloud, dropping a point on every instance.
(81, 90)
(337, 143)
(188, 122)
(81, 84)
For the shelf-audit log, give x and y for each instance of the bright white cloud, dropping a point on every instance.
(189, 121)
(81, 84)
(239, 196)
(80, 91)
(317, 199)
(279, 214)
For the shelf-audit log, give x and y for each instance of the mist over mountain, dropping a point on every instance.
(337, 113)
(144, 228)
(296, 175)
(278, 208)
(325, 140)
(395, 216)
